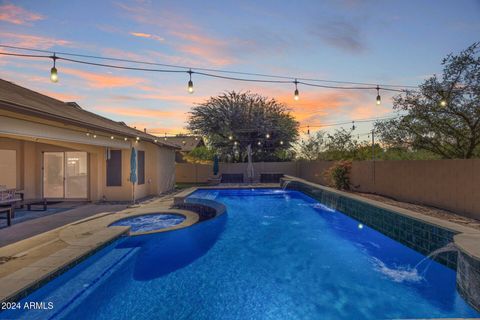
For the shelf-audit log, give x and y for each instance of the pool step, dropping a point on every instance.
(71, 293)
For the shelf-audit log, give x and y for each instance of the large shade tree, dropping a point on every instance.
(443, 115)
(234, 120)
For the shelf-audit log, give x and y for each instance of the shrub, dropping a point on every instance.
(338, 175)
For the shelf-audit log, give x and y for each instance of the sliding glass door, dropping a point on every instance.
(65, 175)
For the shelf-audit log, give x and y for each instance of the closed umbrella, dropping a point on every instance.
(133, 170)
(250, 172)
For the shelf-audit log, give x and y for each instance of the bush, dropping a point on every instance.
(338, 175)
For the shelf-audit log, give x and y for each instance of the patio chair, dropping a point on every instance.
(270, 177)
(232, 178)
(9, 211)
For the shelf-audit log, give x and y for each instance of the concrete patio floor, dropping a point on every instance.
(50, 221)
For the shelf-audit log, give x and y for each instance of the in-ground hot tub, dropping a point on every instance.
(151, 222)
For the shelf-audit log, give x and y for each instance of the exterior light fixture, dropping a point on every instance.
(138, 138)
(230, 137)
(360, 226)
(267, 135)
(125, 138)
(88, 134)
(53, 71)
(281, 142)
(112, 137)
(155, 140)
(94, 136)
(235, 143)
(379, 99)
(296, 94)
(184, 141)
(190, 82)
(259, 143)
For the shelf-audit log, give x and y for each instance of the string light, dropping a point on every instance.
(259, 143)
(53, 71)
(267, 135)
(112, 137)
(281, 142)
(443, 101)
(94, 136)
(295, 94)
(230, 137)
(155, 140)
(347, 84)
(190, 82)
(235, 143)
(138, 138)
(88, 134)
(379, 99)
(125, 139)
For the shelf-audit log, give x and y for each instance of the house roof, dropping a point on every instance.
(22, 100)
(187, 143)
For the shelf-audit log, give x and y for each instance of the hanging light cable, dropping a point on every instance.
(379, 99)
(53, 71)
(295, 95)
(190, 82)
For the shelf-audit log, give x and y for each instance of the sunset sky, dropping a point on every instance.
(386, 42)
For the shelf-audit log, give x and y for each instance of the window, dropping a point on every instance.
(141, 167)
(8, 168)
(114, 169)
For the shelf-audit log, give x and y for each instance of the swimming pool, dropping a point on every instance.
(275, 255)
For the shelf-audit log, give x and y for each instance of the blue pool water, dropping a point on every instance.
(150, 222)
(274, 255)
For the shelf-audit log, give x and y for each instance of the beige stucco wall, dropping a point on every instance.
(448, 184)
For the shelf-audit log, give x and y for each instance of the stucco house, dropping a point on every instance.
(56, 150)
(187, 144)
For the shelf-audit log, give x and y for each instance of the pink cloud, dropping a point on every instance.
(103, 80)
(147, 36)
(32, 41)
(17, 15)
(188, 39)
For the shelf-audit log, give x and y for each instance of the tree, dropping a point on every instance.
(234, 120)
(443, 115)
(312, 147)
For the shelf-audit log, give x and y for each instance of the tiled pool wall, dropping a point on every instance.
(415, 234)
(468, 279)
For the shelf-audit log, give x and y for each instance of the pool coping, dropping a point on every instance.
(78, 240)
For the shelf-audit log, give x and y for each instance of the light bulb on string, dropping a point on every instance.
(281, 142)
(267, 135)
(296, 93)
(379, 99)
(443, 101)
(190, 82)
(53, 71)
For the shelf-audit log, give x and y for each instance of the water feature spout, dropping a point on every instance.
(285, 184)
(449, 247)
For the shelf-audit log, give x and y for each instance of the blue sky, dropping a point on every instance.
(386, 42)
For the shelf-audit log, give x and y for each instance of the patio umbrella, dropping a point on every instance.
(133, 170)
(250, 172)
